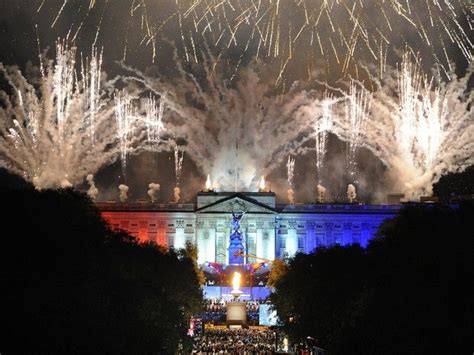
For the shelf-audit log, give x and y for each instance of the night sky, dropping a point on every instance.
(112, 25)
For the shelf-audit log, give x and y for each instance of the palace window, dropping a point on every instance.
(300, 242)
(281, 242)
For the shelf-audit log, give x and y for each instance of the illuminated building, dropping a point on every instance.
(269, 230)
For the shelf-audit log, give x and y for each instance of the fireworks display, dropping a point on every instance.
(427, 126)
(290, 167)
(178, 164)
(49, 132)
(340, 33)
(322, 127)
(418, 126)
(61, 128)
(236, 132)
(241, 86)
(357, 112)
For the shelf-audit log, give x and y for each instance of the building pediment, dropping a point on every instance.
(237, 203)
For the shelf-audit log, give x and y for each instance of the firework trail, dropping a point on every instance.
(124, 113)
(290, 166)
(61, 126)
(345, 31)
(342, 33)
(154, 120)
(322, 127)
(178, 164)
(178, 168)
(357, 112)
(132, 118)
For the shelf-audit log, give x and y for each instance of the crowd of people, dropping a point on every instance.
(239, 341)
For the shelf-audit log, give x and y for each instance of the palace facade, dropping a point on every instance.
(269, 230)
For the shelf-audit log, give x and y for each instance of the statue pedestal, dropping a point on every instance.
(236, 311)
(236, 249)
(236, 314)
(236, 246)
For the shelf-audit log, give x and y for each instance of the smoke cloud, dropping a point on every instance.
(351, 193)
(291, 197)
(177, 194)
(153, 190)
(123, 190)
(234, 132)
(320, 193)
(93, 190)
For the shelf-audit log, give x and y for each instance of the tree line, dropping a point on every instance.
(409, 292)
(71, 284)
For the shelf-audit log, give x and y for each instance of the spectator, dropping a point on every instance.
(241, 341)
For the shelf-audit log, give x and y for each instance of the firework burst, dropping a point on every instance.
(419, 127)
(66, 126)
(339, 33)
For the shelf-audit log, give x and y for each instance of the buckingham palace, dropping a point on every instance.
(269, 230)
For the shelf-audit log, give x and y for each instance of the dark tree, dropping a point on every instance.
(72, 285)
(12, 182)
(410, 292)
(315, 295)
(455, 185)
(421, 298)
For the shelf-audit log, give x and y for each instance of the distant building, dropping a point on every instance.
(269, 231)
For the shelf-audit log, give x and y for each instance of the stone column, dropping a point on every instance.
(179, 239)
(328, 226)
(347, 234)
(211, 245)
(366, 235)
(310, 238)
(201, 244)
(271, 245)
(161, 236)
(260, 241)
(291, 242)
(143, 231)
